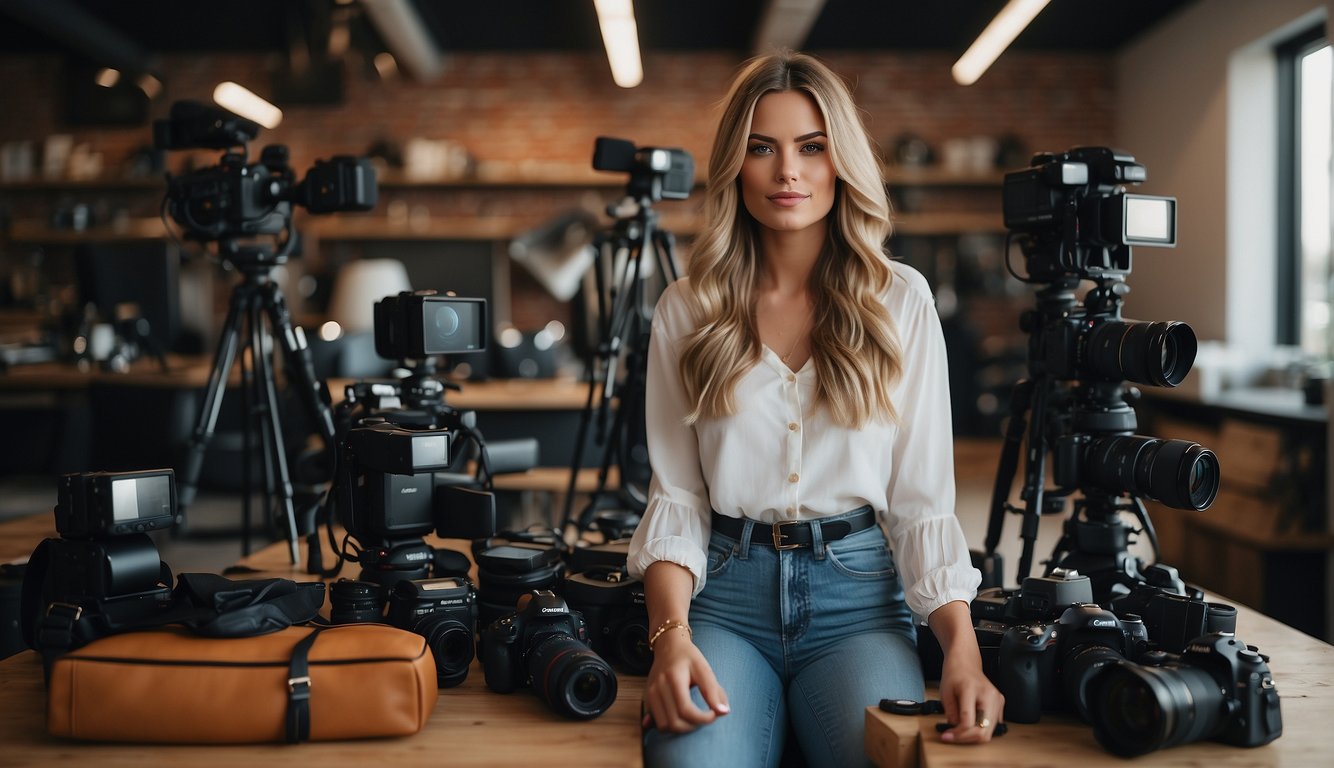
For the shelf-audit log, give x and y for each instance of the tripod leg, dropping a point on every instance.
(217, 383)
(297, 363)
(272, 433)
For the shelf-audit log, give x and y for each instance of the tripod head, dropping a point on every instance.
(1075, 224)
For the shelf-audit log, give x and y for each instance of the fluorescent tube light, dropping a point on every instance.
(245, 103)
(998, 35)
(620, 36)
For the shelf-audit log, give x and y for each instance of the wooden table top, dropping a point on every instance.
(470, 726)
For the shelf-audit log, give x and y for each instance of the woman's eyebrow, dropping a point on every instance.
(772, 140)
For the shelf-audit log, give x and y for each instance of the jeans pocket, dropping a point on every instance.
(720, 556)
(861, 557)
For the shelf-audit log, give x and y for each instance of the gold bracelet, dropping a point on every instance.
(665, 626)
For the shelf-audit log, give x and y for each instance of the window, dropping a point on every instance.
(1305, 280)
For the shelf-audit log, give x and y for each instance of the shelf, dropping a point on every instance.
(926, 224)
(132, 230)
(84, 185)
(937, 176)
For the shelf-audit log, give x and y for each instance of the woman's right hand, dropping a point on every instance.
(677, 666)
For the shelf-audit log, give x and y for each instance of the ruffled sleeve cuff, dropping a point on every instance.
(933, 557)
(677, 533)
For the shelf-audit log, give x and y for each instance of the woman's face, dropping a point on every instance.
(787, 178)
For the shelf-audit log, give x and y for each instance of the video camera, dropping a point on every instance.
(237, 199)
(1074, 221)
(656, 173)
(104, 570)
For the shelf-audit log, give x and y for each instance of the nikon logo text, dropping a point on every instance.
(410, 489)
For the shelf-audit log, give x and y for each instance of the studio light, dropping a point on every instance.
(998, 35)
(620, 36)
(242, 101)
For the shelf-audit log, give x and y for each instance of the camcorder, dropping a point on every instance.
(544, 645)
(420, 324)
(656, 173)
(1075, 222)
(238, 199)
(104, 570)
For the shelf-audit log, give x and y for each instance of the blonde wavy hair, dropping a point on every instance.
(854, 342)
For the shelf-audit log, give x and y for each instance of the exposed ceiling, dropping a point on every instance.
(174, 26)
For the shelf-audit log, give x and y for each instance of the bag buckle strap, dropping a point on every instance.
(303, 681)
(776, 530)
(64, 609)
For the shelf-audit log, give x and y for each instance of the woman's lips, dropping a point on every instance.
(787, 199)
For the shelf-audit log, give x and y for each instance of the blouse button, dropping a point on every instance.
(794, 477)
(789, 511)
(792, 426)
(791, 377)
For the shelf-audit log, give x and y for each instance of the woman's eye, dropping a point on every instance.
(812, 148)
(761, 149)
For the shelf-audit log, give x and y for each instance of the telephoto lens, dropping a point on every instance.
(1178, 473)
(570, 677)
(1158, 354)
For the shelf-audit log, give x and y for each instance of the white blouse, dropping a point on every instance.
(776, 459)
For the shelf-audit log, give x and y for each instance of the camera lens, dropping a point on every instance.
(451, 643)
(1136, 709)
(1159, 354)
(1080, 666)
(355, 601)
(1178, 473)
(446, 321)
(572, 679)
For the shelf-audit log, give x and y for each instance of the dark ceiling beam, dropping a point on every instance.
(83, 33)
(785, 24)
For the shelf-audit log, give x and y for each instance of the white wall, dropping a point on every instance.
(1195, 104)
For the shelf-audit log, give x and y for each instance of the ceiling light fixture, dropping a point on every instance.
(998, 35)
(407, 37)
(620, 36)
(244, 102)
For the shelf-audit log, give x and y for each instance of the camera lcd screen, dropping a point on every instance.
(138, 498)
(430, 451)
(1149, 220)
(451, 325)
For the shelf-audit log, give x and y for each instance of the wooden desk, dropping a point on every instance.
(471, 726)
(1303, 670)
(19, 536)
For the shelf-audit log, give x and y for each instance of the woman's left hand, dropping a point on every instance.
(971, 702)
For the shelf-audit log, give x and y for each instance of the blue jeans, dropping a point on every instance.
(810, 636)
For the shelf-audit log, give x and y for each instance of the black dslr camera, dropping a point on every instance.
(1175, 620)
(544, 645)
(104, 569)
(613, 606)
(1049, 666)
(655, 173)
(238, 199)
(1218, 689)
(444, 611)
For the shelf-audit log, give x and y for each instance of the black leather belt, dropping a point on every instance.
(796, 533)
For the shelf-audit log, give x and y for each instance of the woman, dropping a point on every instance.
(798, 407)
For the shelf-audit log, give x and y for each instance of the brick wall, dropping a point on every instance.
(544, 110)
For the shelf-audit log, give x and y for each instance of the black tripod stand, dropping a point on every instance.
(619, 362)
(254, 300)
(1067, 415)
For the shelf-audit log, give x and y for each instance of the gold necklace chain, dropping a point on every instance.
(797, 341)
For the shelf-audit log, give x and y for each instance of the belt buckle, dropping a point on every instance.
(776, 530)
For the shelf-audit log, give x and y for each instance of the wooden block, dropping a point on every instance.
(893, 741)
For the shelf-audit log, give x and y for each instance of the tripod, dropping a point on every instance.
(1095, 539)
(623, 332)
(257, 298)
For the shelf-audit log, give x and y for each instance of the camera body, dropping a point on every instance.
(1218, 689)
(101, 504)
(1074, 207)
(616, 615)
(418, 324)
(507, 570)
(1049, 666)
(544, 645)
(1174, 620)
(444, 611)
(656, 173)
